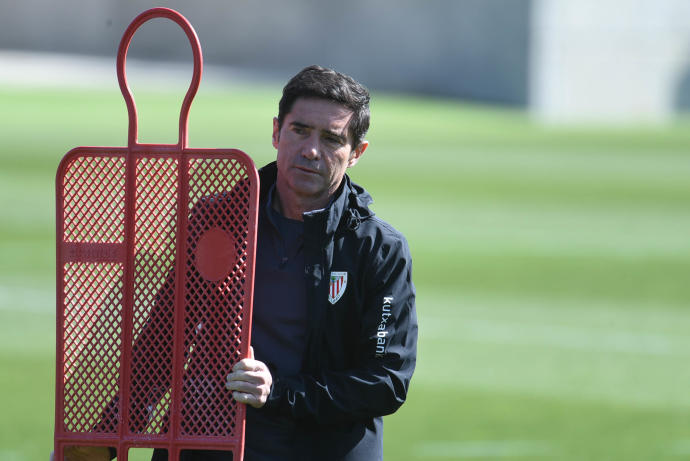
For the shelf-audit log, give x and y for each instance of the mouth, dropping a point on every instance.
(307, 170)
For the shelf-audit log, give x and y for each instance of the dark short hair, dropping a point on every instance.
(322, 83)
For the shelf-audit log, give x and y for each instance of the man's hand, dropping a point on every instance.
(85, 454)
(250, 381)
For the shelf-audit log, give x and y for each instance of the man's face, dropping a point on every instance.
(314, 149)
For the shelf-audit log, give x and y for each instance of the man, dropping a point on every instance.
(334, 323)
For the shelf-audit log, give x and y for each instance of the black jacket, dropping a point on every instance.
(361, 350)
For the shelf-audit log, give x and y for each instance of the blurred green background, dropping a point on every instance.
(552, 266)
(551, 253)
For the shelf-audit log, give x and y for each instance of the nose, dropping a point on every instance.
(310, 150)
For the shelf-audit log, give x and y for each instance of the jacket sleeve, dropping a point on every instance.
(386, 352)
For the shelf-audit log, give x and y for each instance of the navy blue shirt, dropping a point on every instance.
(279, 323)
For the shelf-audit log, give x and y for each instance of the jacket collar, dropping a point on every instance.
(348, 208)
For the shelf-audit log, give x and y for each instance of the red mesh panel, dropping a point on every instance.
(155, 242)
(95, 200)
(217, 190)
(92, 319)
(92, 295)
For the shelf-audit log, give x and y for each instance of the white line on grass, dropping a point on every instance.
(36, 300)
(55, 70)
(453, 449)
(493, 331)
(10, 455)
(562, 336)
(681, 448)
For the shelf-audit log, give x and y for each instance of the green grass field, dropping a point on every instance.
(552, 267)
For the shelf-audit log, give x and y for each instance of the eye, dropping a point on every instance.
(298, 129)
(333, 140)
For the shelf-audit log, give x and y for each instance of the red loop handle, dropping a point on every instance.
(122, 78)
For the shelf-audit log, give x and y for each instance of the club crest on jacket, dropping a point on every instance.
(337, 286)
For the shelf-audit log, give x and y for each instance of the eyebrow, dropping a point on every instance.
(300, 125)
(340, 137)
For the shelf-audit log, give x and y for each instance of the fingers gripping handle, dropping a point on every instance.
(122, 77)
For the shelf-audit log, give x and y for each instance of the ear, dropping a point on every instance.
(357, 153)
(276, 132)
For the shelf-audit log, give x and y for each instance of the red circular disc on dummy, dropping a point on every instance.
(215, 254)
